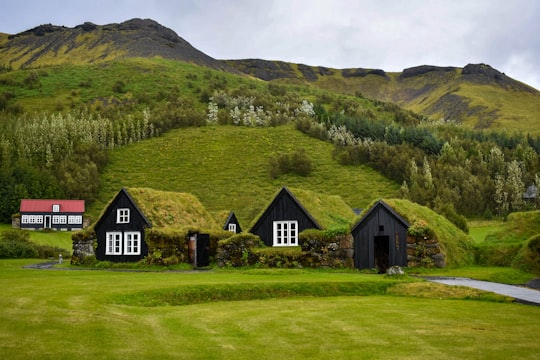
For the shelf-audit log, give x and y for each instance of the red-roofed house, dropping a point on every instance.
(52, 214)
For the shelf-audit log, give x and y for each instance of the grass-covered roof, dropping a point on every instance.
(172, 209)
(329, 211)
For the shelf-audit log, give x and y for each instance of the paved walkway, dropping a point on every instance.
(519, 293)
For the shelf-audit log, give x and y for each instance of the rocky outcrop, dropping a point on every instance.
(424, 69)
(485, 75)
(263, 69)
(360, 72)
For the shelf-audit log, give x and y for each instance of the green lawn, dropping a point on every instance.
(55, 314)
(479, 229)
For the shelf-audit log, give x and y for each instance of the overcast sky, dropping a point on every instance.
(383, 34)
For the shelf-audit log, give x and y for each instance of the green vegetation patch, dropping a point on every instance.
(433, 290)
(196, 294)
(514, 243)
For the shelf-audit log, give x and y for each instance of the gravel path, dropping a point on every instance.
(521, 294)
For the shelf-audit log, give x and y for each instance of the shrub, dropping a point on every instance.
(238, 250)
(528, 258)
(48, 251)
(119, 87)
(297, 162)
(15, 244)
(279, 257)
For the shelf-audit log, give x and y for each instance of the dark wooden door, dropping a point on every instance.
(203, 250)
(382, 253)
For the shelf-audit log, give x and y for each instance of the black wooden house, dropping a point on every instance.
(380, 238)
(120, 231)
(287, 216)
(232, 224)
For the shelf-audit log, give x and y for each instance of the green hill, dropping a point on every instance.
(227, 168)
(476, 95)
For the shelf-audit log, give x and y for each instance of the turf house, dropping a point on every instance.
(64, 215)
(289, 214)
(380, 238)
(162, 227)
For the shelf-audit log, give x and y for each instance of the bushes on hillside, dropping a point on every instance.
(296, 162)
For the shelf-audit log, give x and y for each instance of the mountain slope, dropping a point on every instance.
(476, 95)
(88, 43)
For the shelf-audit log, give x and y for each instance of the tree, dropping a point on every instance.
(515, 185)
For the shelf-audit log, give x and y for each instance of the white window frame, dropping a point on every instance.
(132, 243)
(232, 227)
(285, 233)
(56, 208)
(122, 216)
(58, 219)
(113, 243)
(25, 219)
(74, 219)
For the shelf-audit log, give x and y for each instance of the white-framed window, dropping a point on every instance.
(113, 244)
(25, 219)
(74, 219)
(232, 228)
(122, 216)
(286, 233)
(56, 208)
(59, 219)
(132, 243)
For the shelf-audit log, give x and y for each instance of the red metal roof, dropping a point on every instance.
(66, 206)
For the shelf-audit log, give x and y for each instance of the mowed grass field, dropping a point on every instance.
(96, 314)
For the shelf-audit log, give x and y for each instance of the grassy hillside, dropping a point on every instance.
(131, 81)
(515, 243)
(226, 167)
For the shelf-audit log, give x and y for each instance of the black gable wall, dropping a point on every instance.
(283, 208)
(380, 225)
(108, 223)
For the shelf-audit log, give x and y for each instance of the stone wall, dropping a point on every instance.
(423, 251)
(336, 252)
(83, 249)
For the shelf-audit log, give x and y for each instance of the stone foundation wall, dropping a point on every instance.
(337, 252)
(82, 249)
(424, 252)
